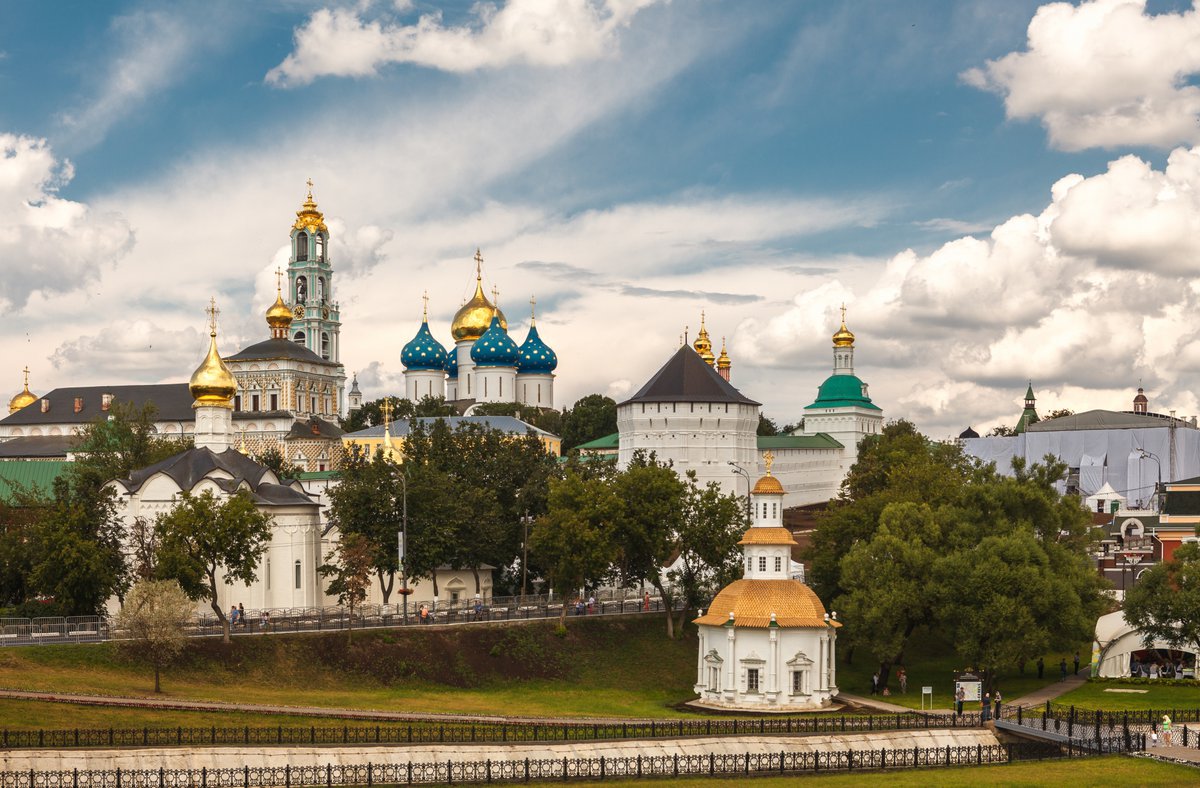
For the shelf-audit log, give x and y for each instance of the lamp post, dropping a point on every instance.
(1145, 455)
(403, 542)
(742, 472)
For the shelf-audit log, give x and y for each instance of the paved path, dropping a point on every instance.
(1036, 698)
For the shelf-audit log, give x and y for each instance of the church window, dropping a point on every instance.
(274, 402)
(762, 563)
(324, 345)
(752, 680)
(749, 564)
(320, 466)
(778, 564)
(500, 383)
(774, 509)
(237, 402)
(539, 393)
(312, 404)
(267, 574)
(799, 682)
(320, 289)
(301, 246)
(298, 338)
(254, 402)
(320, 248)
(714, 679)
(297, 571)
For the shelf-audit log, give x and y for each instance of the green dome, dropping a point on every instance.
(842, 391)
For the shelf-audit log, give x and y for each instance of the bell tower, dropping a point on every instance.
(316, 322)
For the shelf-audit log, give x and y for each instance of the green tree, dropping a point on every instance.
(1001, 431)
(591, 417)
(273, 458)
(767, 425)
(348, 571)
(711, 525)
(573, 540)
(371, 413)
(367, 500)
(547, 419)
(648, 525)
(153, 621)
(1165, 603)
(114, 444)
(202, 539)
(1058, 413)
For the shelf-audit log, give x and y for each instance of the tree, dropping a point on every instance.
(648, 524)
(371, 413)
(114, 444)
(349, 573)
(368, 500)
(203, 538)
(711, 526)
(573, 540)
(1165, 603)
(154, 618)
(273, 458)
(1058, 413)
(1001, 431)
(767, 425)
(591, 417)
(547, 419)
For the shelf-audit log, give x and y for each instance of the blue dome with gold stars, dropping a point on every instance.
(536, 356)
(423, 352)
(451, 362)
(495, 348)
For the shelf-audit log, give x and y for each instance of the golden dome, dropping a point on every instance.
(308, 217)
(844, 337)
(474, 317)
(703, 344)
(212, 383)
(279, 315)
(767, 485)
(23, 398)
(753, 601)
(723, 361)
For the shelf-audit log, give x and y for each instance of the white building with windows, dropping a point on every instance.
(766, 642)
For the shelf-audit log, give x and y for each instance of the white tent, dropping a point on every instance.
(1102, 499)
(1117, 642)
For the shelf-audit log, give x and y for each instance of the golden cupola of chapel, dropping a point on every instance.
(474, 317)
(279, 314)
(703, 344)
(212, 384)
(843, 337)
(23, 398)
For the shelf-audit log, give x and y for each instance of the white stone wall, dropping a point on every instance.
(421, 383)
(536, 390)
(494, 384)
(728, 654)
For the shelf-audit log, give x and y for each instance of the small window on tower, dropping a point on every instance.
(324, 345)
(297, 573)
(320, 248)
(301, 246)
(298, 338)
(778, 564)
(254, 402)
(274, 402)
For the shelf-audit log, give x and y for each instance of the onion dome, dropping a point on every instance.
(279, 316)
(23, 398)
(703, 344)
(474, 317)
(536, 356)
(723, 361)
(843, 337)
(354, 390)
(495, 348)
(212, 383)
(423, 352)
(308, 217)
(451, 362)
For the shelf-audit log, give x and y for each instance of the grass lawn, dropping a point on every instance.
(1109, 770)
(1092, 695)
(24, 714)
(623, 668)
(933, 663)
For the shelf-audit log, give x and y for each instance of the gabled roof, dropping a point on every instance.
(401, 427)
(607, 442)
(686, 378)
(189, 468)
(38, 446)
(315, 429)
(173, 402)
(275, 348)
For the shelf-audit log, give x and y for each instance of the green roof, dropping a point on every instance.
(306, 476)
(30, 473)
(607, 442)
(842, 391)
(817, 441)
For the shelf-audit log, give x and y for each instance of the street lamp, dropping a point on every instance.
(742, 472)
(402, 537)
(1145, 455)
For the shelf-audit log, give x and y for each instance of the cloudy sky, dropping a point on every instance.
(999, 191)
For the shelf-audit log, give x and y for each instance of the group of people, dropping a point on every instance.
(1062, 667)
(878, 687)
(989, 704)
(237, 618)
(1153, 669)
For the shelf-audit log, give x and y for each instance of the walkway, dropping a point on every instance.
(1036, 698)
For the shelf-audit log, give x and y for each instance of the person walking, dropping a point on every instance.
(959, 696)
(233, 616)
(902, 677)
(1062, 667)
(264, 621)
(875, 683)
(646, 602)
(985, 707)
(996, 700)
(1041, 667)
(1166, 730)
(1076, 663)
(241, 615)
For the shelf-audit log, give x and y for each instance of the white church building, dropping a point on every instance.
(766, 641)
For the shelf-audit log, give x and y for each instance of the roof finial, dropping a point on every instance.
(768, 460)
(425, 310)
(26, 371)
(495, 297)
(386, 409)
(478, 265)
(685, 335)
(843, 313)
(212, 316)
(532, 311)
(278, 281)
(309, 182)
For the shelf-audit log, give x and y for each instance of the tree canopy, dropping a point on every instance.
(1165, 603)
(591, 417)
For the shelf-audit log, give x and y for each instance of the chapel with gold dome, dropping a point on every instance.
(22, 398)
(766, 640)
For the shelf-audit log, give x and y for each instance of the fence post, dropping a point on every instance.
(947, 754)
(712, 764)
(849, 760)
(329, 775)
(203, 777)
(1019, 709)
(601, 768)
(526, 770)
(676, 764)
(639, 765)
(75, 778)
(162, 777)
(246, 777)
(287, 775)
(369, 781)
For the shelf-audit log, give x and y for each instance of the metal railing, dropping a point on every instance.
(527, 769)
(55, 629)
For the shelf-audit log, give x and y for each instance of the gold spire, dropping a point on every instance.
(212, 383)
(279, 316)
(723, 361)
(843, 337)
(703, 344)
(308, 217)
(24, 398)
(474, 317)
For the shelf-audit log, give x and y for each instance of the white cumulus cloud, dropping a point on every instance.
(339, 42)
(1103, 74)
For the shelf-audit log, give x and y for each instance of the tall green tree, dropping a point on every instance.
(591, 417)
(1165, 603)
(348, 571)
(368, 501)
(711, 526)
(767, 425)
(573, 540)
(371, 413)
(118, 442)
(203, 540)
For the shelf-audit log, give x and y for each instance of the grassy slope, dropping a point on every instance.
(1093, 696)
(1110, 770)
(24, 714)
(932, 662)
(609, 667)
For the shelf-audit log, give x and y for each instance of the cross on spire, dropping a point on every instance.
(278, 280)
(425, 311)
(478, 264)
(387, 413)
(768, 460)
(26, 371)
(843, 313)
(495, 296)
(532, 310)
(310, 185)
(212, 316)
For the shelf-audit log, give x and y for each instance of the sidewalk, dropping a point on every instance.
(1035, 698)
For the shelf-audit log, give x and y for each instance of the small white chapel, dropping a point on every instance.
(766, 642)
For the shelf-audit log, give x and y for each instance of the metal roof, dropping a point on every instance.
(173, 402)
(29, 473)
(686, 378)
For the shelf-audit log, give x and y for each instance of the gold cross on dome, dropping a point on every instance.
(843, 311)
(387, 412)
(478, 263)
(768, 460)
(309, 182)
(495, 296)
(212, 315)
(26, 371)
(425, 298)
(278, 280)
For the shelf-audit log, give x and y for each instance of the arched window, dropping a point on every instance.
(298, 338)
(301, 289)
(320, 289)
(301, 246)
(320, 248)
(324, 345)
(297, 569)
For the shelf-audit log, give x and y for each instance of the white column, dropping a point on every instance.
(773, 663)
(731, 684)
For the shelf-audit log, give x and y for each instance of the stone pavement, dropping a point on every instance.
(1035, 698)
